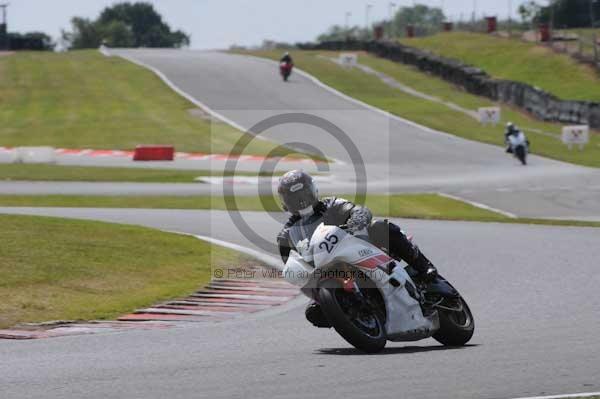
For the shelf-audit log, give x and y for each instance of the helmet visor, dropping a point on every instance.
(299, 196)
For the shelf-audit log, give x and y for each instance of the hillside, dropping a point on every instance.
(515, 60)
(82, 99)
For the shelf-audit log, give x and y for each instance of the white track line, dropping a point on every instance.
(569, 395)
(479, 205)
(193, 100)
(269, 260)
(346, 97)
(179, 91)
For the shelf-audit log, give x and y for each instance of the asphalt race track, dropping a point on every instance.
(533, 289)
(398, 155)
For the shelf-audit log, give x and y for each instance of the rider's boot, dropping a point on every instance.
(427, 272)
(390, 237)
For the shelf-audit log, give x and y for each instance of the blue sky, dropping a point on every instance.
(220, 23)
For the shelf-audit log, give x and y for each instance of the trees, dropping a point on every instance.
(337, 32)
(571, 13)
(529, 10)
(426, 19)
(125, 25)
(30, 41)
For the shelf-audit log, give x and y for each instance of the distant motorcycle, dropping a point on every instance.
(519, 146)
(369, 298)
(285, 69)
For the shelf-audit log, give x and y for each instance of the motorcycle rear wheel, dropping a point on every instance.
(456, 327)
(369, 339)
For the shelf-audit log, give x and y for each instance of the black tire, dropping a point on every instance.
(360, 339)
(520, 151)
(456, 328)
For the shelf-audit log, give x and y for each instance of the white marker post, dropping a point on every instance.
(348, 60)
(577, 134)
(35, 155)
(489, 115)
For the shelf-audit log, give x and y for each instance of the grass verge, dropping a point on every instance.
(63, 269)
(411, 206)
(516, 60)
(372, 90)
(81, 99)
(27, 172)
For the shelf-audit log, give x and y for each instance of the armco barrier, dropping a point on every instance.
(539, 103)
(154, 153)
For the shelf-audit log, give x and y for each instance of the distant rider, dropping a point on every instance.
(287, 58)
(510, 130)
(299, 196)
(513, 136)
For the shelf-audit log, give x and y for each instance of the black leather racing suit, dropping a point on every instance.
(509, 132)
(287, 59)
(338, 211)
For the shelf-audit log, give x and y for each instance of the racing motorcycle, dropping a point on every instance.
(519, 146)
(285, 69)
(369, 298)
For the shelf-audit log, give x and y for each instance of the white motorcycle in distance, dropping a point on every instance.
(519, 146)
(369, 298)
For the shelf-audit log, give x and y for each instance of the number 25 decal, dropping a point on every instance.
(330, 241)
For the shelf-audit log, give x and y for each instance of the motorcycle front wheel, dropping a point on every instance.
(521, 154)
(361, 327)
(456, 323)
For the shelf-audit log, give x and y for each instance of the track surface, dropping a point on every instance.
(533, 292)
(399, 156)
(533, 289)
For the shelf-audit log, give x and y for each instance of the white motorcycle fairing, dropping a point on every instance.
(517, 140)
(330, 246)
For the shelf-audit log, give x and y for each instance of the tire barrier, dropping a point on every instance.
(534, 100)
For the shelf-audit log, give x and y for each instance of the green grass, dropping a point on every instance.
(63, 269)
(516, 60)
(412, 206)
(149, 202)
(82, 99)
(27, 172)
(372, 90)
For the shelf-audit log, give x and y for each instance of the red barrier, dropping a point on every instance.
(545, 32)
(378, 32)
(448, 26)
(154, 153)
(410, 31)
(492, 24)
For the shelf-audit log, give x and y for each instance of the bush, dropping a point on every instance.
(125, 25)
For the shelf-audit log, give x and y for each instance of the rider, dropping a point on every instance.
(287, 58)
(514, 135)
(299, 196)
(510, 130)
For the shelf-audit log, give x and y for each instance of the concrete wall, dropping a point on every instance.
(541, 104)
